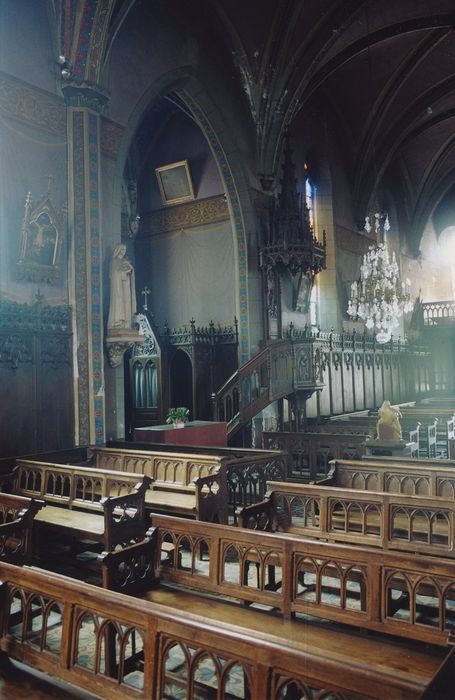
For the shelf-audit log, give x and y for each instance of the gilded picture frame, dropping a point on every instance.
(175, 183)
(41, 238)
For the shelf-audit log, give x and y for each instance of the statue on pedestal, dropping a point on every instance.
(388, 426)
(123, 292)
(120, 333)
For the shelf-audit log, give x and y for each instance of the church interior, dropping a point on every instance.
(236, 219)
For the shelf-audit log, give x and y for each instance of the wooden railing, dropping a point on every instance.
(354, 585)
(369, 518)
(120, 647)
(265, 378)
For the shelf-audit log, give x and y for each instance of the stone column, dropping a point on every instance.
(84, 105)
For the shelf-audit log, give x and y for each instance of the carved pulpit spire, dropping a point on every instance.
(291, 243)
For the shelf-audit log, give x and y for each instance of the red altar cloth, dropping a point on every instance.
(196, 432)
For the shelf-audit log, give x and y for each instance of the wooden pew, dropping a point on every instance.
(392, 475)
(242, 477)
(296, 576)
(16, 521)
(204, 498)
(310, 452)
(370, 518)
(85, 504)
(177, 644)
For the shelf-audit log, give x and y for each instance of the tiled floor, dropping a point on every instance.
(19, 682)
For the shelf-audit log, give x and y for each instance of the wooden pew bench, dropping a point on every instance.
(203, 499)
(170, 643)
(390, 592)
(242, 477)
(370, 518)
(85, 504)
(414, 477)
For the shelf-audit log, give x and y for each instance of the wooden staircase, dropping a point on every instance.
(265, 378)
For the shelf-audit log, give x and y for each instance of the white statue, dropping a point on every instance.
(123, 292)
(388, 425)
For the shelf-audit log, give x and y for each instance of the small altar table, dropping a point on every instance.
(196, 432)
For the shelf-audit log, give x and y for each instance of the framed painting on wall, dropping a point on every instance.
(40, 243)
(174, 181)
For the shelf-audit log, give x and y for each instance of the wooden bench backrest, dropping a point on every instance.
(363, 582)
(73, 486)
(370, 518)
(413, 477)
(169, 470)
(93, 638)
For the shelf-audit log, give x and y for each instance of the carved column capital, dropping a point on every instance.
(85, 96)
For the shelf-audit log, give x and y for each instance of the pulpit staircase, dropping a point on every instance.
(265, 378)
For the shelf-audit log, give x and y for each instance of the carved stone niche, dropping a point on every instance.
(41, 237)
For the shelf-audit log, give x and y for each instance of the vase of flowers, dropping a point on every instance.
(178, 416)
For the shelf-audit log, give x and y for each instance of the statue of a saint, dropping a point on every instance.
(123, 292)
(388, 425)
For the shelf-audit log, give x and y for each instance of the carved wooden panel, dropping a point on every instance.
(36, 410)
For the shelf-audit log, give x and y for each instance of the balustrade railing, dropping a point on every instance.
(342, 372)
(436, 313)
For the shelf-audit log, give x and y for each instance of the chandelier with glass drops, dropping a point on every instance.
(379, 298)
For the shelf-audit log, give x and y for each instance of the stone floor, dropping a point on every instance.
(20, 682)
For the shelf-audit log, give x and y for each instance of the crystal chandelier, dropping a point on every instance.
(379, 297)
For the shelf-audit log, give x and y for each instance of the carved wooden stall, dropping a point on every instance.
(177, 367)
(210, 354)
(36, 410)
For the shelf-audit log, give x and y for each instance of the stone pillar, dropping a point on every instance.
(84, 105)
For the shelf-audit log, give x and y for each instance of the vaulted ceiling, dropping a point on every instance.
(383, 69)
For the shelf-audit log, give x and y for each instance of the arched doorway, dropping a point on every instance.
(181, 381)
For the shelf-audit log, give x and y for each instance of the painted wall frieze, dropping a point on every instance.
(205, 211)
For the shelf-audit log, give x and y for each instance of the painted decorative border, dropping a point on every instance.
(95, 270)
(203, 211)
(111, 135)
(30, 105)
(42, 110)
(237, 217)
(79, 60)
(80, 274)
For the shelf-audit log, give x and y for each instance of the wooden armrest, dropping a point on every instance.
(259, 516)
(130, 569)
